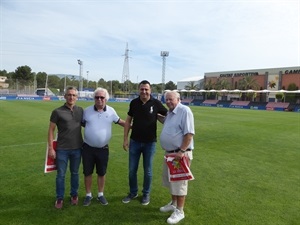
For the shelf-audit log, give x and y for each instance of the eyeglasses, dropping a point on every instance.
(99, 97)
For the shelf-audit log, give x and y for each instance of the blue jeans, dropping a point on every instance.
(62, 158)
(135, 151)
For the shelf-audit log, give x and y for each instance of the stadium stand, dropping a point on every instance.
(261, 105)
(240, 103)
(197, 102)
(224, 103)
(277, 105)
(210, 101)
(293, 107)
(186, 101)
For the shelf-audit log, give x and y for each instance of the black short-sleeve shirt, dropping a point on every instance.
(145, 119)
(68, 123)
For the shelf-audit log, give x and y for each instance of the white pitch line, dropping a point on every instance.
(10, 146)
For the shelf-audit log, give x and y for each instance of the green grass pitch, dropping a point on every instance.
(246, 167)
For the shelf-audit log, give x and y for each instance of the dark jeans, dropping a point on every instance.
(62, 158)
(135, 151)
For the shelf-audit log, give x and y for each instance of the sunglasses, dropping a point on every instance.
(99, 97)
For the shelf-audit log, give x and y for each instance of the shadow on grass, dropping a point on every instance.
(41, 210)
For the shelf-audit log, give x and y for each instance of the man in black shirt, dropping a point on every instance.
(142, 120)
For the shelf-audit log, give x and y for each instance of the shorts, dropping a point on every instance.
(179, 188)
(92, 156)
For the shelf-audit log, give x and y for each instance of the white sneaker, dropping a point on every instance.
(168, 208)
(175, 217)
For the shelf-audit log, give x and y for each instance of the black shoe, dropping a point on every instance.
(102, 200)
(129, 197)
(145, 199)
(87, 200)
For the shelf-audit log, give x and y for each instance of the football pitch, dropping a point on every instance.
(246, 167)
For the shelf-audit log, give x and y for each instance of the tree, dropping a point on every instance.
(209, 85)
(171, 86)
(74, 82)
(113, 86)
(102, 83)
(292, 97)
(156, 88)
(222, 83)
(3, 73)
(93, 84)
(247, 82)
(53, 81)
(24, 75)
(41, 79)
(292, 87)
(191, 86)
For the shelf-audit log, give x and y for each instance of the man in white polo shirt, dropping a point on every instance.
(97, 120)
(177, 137)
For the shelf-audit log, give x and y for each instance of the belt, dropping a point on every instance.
(177, 150)
(104, 147)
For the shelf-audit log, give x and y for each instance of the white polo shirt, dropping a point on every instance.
(98, 125)
(177, 123)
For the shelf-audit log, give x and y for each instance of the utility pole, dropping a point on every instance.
(87, 79)
(125, 75)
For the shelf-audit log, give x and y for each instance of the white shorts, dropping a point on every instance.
(179, 188)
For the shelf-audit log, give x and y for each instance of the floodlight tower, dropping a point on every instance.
(125, 75)
(164, 55)
(80, 74)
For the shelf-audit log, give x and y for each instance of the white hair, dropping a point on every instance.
(99, 89)
(173, 93)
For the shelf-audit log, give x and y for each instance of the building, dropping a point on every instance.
(181, 84)
(272, 80)
(2, 82)
(269, 79)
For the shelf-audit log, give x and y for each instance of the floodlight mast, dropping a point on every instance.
(164, 55)
(80, 74)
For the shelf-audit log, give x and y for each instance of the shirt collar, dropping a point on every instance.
(176, 108)
(66, 106)
(95, 108)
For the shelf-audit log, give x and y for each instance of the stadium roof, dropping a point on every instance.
(191, 79)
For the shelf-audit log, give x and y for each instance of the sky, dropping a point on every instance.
(200, 35)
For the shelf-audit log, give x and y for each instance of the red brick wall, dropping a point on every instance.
(287, 79)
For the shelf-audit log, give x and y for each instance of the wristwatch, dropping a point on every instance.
(182, 151)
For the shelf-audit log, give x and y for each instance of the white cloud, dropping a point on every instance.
(201, 36)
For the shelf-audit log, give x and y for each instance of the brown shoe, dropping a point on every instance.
(74, 200)
(59, 203)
